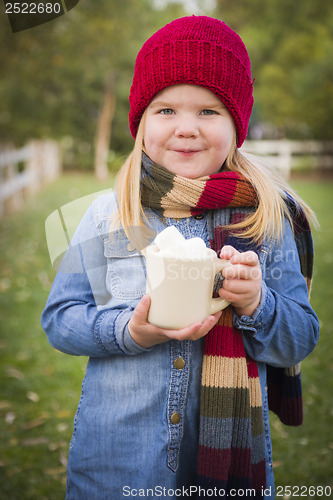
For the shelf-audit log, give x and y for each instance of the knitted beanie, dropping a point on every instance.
(195, 50)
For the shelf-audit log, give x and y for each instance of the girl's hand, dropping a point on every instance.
(242, 283)
(147, 335)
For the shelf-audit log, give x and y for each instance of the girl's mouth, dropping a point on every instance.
(187, 152)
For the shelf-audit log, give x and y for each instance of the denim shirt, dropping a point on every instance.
(124, 443)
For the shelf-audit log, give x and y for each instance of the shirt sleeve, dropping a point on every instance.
(284, 329)
(77, 318)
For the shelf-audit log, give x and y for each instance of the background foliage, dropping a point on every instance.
(290, 46)
(53, 76)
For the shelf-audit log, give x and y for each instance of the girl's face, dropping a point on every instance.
(188, 130)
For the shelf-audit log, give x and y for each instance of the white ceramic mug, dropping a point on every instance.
(181, 288)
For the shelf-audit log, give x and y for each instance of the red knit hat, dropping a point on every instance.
(195, 50)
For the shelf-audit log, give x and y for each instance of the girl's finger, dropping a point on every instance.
(248, 258)
(241, 271)
(206, 326)
(209, 323)
(184, 333)
(238, 287)
(228, 251)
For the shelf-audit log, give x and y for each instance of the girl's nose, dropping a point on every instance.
(186, 127)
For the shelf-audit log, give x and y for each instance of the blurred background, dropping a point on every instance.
(64, 134)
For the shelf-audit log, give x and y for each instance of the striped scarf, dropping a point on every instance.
(231, 435)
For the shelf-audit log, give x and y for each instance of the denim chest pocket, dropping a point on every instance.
(126, 268)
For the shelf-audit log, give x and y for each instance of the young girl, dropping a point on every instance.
(179, 413)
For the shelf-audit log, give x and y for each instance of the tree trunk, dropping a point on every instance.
(103, 133)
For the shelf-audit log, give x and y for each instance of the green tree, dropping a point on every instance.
(290, 46)
(54, 75)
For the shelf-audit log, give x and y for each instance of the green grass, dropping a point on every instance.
(304, 455)
(40, 387)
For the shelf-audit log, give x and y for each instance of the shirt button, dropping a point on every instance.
(179, 363)
(199, 216)
(175, 418)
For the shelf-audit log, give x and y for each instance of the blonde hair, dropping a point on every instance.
(130, 211)
(272, 190)
(267, 221)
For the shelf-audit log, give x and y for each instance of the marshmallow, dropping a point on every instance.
(172, 244)
(168, 238)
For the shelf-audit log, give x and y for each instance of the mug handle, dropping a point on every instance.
(217, 304)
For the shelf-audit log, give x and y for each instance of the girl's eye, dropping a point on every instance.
(166, 111)
(208, 112)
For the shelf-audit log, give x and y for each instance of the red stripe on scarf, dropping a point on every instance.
(240, 465)
(211, 196)
(222, 464)
(214, 463)
(220, 343)
(211, 460)
(252, 368)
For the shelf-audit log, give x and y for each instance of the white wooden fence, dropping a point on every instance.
(23, 172)
(287, 156)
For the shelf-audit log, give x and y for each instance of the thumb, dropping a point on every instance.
(141, 311)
